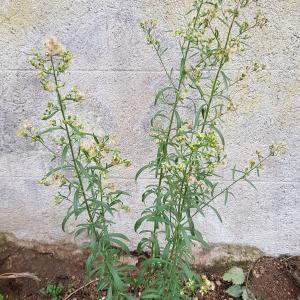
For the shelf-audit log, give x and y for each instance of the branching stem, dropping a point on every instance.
(78, 174)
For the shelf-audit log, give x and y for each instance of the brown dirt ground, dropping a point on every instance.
(270, 278)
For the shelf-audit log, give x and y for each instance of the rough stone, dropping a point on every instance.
(224, 255)
(3, 240)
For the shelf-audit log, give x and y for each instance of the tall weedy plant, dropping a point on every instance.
(81, 163)
(190, 144)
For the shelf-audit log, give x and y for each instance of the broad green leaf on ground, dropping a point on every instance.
(248, 295)
(235, 275)
(235, 291)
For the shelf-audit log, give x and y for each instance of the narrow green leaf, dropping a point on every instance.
(139, 222)
(121, 244)
(226, 196)
(219, 134)
(191, 223)
(197, 117)
(216, 212)
(109, 294)
(186, 239)
(248, 181)
(81, 168)
(199, 238)
(119, 235)
(75, 130)
(141, 170)
(166, 251)
(89, 263)
(117, 280)
(69, 213)
(159, 114)
(226, 80)
(65, 167)
(44, 118)
(160, 94)
(76, 198)
(203, 111)
(50, 130)
(147, 193)
(223, 21)
(151, 296)
(233, 173)
(178, 119)
(95, 138)
(182, 68)
(188, 271)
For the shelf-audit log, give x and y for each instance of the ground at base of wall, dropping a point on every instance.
(271, 278)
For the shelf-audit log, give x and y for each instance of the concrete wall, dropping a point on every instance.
(119, 74)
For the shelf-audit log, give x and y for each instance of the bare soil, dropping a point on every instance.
(269, 277)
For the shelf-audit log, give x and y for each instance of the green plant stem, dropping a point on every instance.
(205, 118)
(216, 78)
(235, 181)
(164, 67)
(72, 150)
(51, 151)
(174, 107)
(183, 189)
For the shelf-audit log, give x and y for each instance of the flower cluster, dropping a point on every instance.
(72, 120)
(206, 286)
(190, 287)
(26, 130)
(148, 26)
(276, 149)
(231, 106)
(73, 95)
(260, 20)
(125, 208)
(57, 199)
(44, 65)
(99, 148)
(56, 179)
(53, 47)
(258, 164)
(91, 149)
(66, 59)
(50, 111)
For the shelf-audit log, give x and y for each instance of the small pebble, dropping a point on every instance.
(218, 283)
(255, 274)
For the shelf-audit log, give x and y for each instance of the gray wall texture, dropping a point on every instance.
(119, 75)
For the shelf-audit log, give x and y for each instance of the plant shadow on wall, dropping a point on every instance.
(190, 150)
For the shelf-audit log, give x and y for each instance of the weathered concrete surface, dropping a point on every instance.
(119, 74)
